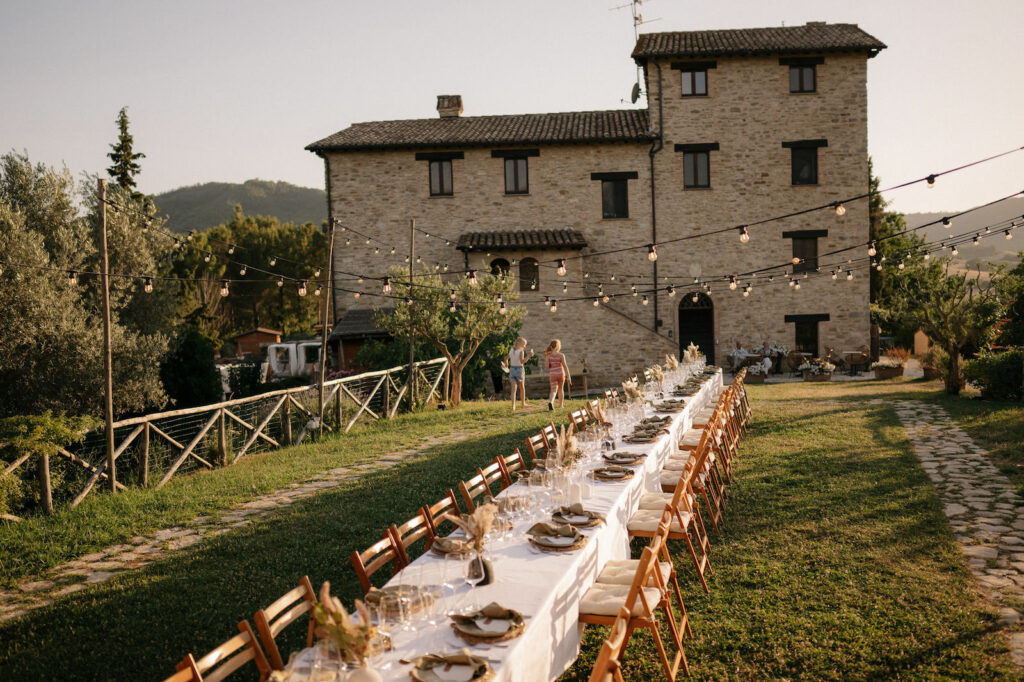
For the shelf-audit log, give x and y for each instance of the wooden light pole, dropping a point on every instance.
(108, 402)
(412, 328)
(328, 294)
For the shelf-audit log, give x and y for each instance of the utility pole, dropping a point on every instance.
(325, 300)
(412, 328)
(108, 353)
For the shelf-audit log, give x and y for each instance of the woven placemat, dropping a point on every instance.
(601, 476)
(579, 544)
(518, 626)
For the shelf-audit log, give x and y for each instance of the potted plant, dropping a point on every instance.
(817, 370)
(891, 365)
(756, 373)
(933, 362)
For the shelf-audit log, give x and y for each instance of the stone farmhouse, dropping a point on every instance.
(740, 125)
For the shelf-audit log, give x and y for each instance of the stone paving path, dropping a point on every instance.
(79, 574)
(984, 508)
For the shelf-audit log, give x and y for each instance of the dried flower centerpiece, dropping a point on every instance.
(632, 390)
(671, 362)
(692, 353)
(567, 448)
(657, 374)
(354, 641)
(476, 526)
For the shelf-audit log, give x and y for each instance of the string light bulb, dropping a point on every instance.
(605, 298)
(849, 275)
(744, 235)
(146, 225)
(634, 290)
(652, 252)
(316, 273)
(191, 233)
(386, 289)
(947, 223)
(472, 277)
(871, 248)
(795, 260)
(302, 288)
(671, 291)
(927, 256)
(73, 278)
(148, 285)
(280, 282)
(840, 209)
(597, 301)
(878, 266)
(797, 286)
(931, 181)
(501, 308)
(565, 287)
(1009, 235)
(732, 282)
(408, 301)
(554, 305)
(561, 267)
(835, 274)
(451, 307)
(231, 249)
(954, 250)
(746, 291)
(207, 256)
(451, 295)
(792, 282)
(901, 265)
(976, 240)
(273, 261)
(224, 290)
(318, 290)
(241, 271)
(694, 299)
(644, 301)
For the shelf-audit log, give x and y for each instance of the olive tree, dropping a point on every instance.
(426, 309)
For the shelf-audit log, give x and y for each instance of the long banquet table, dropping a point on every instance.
(545, 587)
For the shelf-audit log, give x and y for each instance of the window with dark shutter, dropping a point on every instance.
(807, 336)
(695, 83)
(529, 274)
(802, 78)
(614, 199)
(516, 176)
(805, 166)
(806, 250)
(696, 171)
(441, 177)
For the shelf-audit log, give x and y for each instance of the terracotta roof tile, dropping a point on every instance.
(626, 125)
(516, 240)
(811, 37)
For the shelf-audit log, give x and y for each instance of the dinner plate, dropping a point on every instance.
(554, 540)
(455, 673)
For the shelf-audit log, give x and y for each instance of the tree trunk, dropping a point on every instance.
(954, 382)
(456, 396)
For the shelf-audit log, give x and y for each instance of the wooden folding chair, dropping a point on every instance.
(705, 480)
(409, 533)
(435, 513)
(687, 524)
(621, 571)
(550, 434)
(509, 465)
(611, 395)
(537, 447)
(375, 557)
(188, 673)
(600, 605)
(592, 409)
(229, 657)
(579, 419)
(288, 608)
(474, 491)
(607, 667)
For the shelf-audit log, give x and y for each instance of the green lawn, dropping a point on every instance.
(102, 520)
(836, 562)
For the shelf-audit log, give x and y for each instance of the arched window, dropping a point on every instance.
(499, 266)
(529, 274)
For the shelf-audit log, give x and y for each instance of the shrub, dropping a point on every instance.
(10, 490)
(189, 373)
(998, 375)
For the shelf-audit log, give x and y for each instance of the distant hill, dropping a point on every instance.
(991, 249)
(212, 203)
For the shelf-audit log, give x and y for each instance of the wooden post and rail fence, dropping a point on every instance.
(209, 432)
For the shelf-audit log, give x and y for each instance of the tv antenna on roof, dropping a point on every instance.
(638, 20)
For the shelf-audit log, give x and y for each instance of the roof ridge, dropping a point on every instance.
(479, 116)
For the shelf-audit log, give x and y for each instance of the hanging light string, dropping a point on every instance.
(559, 263)
(838, 270)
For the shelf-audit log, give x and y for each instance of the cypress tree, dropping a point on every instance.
(126, 165)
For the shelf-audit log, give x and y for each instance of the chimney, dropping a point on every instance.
(449, 106)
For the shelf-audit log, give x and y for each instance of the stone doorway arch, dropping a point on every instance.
(697, 324)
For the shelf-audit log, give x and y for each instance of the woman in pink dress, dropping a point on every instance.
(558, 373)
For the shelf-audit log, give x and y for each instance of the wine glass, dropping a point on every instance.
(383, 621)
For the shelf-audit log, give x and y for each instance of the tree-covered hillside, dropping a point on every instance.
(211, 203)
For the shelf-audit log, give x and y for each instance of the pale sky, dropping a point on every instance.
(223, 90)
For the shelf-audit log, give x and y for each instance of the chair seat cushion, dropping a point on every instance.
(692, 437)
(659, 500)
(647, 520)
(622, 572)
(603, 599)
(679, 464)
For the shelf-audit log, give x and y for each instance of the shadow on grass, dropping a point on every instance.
(191, 602)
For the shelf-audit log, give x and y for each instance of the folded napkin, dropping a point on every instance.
(424, 666)
(492, 611)
(543, 529)
(613, 469)
(577, 510)
(630, 457)
(451, 546)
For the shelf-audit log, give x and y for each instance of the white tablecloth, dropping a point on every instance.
(547, 587)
